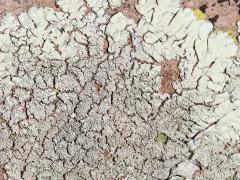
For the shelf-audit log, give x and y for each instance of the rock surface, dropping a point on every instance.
(86, 86)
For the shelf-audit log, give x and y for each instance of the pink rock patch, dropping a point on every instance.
(170, 73)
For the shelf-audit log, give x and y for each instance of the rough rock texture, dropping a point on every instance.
(170, 73)
(81, 94)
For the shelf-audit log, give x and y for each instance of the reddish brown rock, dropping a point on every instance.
(170, 73)
(1, 174)
(105, 45)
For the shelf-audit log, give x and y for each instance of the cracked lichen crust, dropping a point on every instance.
(80, 94)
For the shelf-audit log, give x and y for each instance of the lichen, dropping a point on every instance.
(88, 94)
(161, 138)
(199, 14)
(223, 14)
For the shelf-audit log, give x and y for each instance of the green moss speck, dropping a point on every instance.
(161, 138)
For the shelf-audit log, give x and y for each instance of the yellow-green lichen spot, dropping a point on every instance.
(161, 138)
(199, 14)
